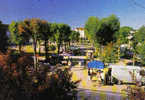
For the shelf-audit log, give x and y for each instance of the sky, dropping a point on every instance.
(73, 12)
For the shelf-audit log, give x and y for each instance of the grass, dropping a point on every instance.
(28, 49)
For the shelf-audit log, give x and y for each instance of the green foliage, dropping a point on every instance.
(45, 30)
(20, 81)
(53, 30)
(74, 36)
(16, 35)
(45, 35)
(32, 27)
(109, 54)
(141, 52)
(52, 48)
(62, 33)
(123, 34)
(77, 52)
(14, 32)
(3, 37)
(140, 43)
(91, 27)
(101, 32)
(106, 29)
(140, 34)
(135, 92)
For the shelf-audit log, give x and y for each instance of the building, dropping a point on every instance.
(81, 31)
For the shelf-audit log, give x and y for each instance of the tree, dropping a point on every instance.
(66, 34)
(45, 35)
(3, 37)
(122, 37)
(74, 37)
(123, 34)
(140, 34)
(62, 32)
(109, 54)
(18, 83)
(140, 43)
(32, 28)
(16, 34)
(141, 52)
(106, 29)
(91, 28)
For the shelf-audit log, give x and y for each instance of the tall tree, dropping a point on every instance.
(141, 52)
(32, 27)
(16, 34)
(74, 37)
(106, 29)
(123, 34)
(66, 34)
(140, 34)
(122, 37)
(62, 32)
(3, 37)
(91, 28)
(140, 41)
(45, 35)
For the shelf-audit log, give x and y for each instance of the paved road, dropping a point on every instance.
(89, 91)
(99, 95)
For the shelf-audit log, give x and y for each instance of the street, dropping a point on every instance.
(84, 94)
(88, 90)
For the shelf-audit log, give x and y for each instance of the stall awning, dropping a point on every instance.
(96, 64)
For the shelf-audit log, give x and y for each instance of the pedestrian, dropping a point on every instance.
(99, 78)
(89, 72)
(109, 76)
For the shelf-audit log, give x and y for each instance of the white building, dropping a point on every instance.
(81, 31)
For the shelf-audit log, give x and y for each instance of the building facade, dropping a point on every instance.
(81, 31)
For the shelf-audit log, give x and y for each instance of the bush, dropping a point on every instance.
(52, 48)
(137, 92)
(19, 83)
(3, 38)
(77, 52)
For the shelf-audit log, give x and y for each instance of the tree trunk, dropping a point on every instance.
(58, 49)
(20, 48)
(65, 47)
(69, 43)
(118, 53)
(133, 59)
(46, 49)
(39, 48)
(35, 58)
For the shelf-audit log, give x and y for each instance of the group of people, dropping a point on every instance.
(98, 74)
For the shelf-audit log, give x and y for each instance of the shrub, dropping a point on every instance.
(18, 83)
(52, 48)
(137, 92)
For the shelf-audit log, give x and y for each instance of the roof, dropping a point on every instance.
(80, 28)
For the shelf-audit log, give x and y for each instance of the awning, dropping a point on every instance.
(96, 64)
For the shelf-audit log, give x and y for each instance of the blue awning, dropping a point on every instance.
(96, 64)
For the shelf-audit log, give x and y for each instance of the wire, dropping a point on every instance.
(138, 4)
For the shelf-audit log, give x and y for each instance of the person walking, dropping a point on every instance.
(99, 78)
